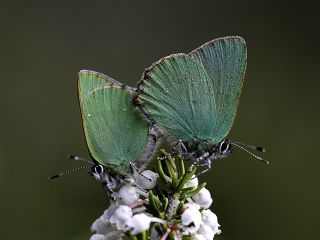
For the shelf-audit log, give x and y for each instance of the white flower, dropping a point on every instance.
(101, 226)
(127, 195)
(206, 232)
(191, 204)
(138, 209)
(193, 182)
(191, 219)
(104, 230)
(210, 219)
(112, 236)
(203, 198)
(97, 237)
(121, 216)
(110, 211)
(146, 179)
(141, 222)
(196, 237)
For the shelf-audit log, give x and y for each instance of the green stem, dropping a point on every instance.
(181, 168)
(186, 177)
(162, 175)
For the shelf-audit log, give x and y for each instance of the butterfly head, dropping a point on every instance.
(225, 148)
(221, 150)
(98, 172)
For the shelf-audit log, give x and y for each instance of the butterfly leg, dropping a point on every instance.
(203, 161)
(179, 145)
(182, 147)
(134, 171)
(200, 161)
(140, 190)
(110, 185)
(208, 165)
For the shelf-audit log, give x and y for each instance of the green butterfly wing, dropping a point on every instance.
(115, 132)
(176, 93)
(224, 59)
(195, 96)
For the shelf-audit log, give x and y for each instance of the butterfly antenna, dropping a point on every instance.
(252, 154)
(260, 149)
(77, 158)
(69, 171)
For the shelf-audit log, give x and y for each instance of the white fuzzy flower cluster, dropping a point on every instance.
(127, 212)
(196, 218)
(175, 207)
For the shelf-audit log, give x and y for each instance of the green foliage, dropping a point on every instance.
(167, 200)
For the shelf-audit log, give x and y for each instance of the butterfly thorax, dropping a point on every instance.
(199, 146)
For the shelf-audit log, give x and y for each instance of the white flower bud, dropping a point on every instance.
(203, 198)
(210, 219)
(193, 182)
(196, 237)
(111, 236)
(206, 232)
(191, 204)
(141, 222)
(146, 179)
(100, 226)
(191, 219)
(97, 237)
(121, 216)
(127, 195)
(109, 212)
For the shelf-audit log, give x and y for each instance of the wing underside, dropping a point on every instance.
(195, 96)
(114, 130)
(176, 93)
(224, 60)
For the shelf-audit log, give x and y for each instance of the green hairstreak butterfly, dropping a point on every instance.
(116, 134)
(193, 97)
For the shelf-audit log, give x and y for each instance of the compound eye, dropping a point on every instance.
(224, 147)
(98, 169)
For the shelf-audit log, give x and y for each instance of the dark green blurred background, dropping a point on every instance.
(44, 44)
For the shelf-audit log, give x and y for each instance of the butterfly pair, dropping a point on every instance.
(191, 98)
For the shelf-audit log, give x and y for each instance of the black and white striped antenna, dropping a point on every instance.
(69, 171)
(77, 158)
(260, 149)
